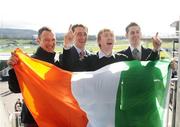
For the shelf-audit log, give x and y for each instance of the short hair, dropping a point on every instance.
(78, 25)
(44, 28)
(100, 33)
(130, 25)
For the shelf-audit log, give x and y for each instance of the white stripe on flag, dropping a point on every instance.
(96, 100)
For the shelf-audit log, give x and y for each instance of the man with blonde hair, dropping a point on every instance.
(105, 55)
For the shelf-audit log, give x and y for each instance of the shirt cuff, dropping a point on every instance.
(67, 47)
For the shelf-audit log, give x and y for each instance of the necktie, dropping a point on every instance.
(136, 54)
(81, 55)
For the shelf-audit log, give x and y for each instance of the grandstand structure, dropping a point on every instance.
(176, 107)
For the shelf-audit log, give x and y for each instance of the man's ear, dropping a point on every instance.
(38, 40)
(99, 45)
(126, 35)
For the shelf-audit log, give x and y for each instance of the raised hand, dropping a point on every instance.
(68, 38)
(156, 42)
(174, 65)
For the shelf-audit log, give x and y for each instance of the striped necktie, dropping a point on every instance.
(81, 55)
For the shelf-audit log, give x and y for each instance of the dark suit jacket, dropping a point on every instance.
(71, 60)
(146, 54)
(94, 62)
(40, 54)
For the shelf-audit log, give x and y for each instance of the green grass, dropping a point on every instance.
(8, 45)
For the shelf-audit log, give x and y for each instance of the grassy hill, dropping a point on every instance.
(16, 33)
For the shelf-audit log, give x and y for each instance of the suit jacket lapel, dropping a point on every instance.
(75, 52)
(143, 53)
(129, 53)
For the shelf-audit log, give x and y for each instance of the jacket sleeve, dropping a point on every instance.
(13, 82)
(67, 60)
(154, 55)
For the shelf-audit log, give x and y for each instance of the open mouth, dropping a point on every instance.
(109, 43)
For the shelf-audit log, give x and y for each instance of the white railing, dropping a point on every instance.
(177, 118)
(15, 119)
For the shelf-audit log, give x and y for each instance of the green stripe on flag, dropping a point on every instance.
(142, 93)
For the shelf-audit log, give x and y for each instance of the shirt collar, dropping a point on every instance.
(138, 48)
(102, 54)
(78, 49)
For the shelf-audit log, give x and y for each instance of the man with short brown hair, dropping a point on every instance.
(47, 41)
(136, 50)
(74, 48)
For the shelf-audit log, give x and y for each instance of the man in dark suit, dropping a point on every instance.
(105, 55)
(74, 48)
(136, 50)
(47, 42)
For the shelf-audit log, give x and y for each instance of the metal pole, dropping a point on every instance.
(178, 86)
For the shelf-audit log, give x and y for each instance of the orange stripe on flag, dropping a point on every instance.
(47, 93)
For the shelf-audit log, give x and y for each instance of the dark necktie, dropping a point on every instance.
(81, 55)
(136, 54)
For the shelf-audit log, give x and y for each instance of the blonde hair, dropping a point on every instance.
(101, 32)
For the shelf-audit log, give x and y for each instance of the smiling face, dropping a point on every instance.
(133, 34)
(47, 41)
(106, 40)
(80, 36)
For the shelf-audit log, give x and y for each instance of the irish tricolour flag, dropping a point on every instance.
(124, 94)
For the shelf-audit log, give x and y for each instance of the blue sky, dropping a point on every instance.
(152, 15)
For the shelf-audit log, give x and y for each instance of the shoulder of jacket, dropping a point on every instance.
(123, 51)
(121, 54)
